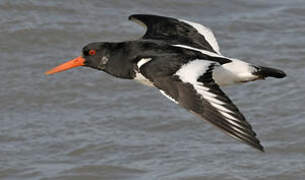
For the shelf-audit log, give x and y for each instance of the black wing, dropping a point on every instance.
(202, 96)
(177, 31)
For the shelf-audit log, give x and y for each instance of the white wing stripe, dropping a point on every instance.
(143, 61)
(190, 72)
(206, 33)
(219, 107)
(172, 99)
(228, 115)
(240, 131)
(236, 124)
(139, 77)
(212, 100)
(207, 93)
(200, 50)
(215, 103)
(205, 90)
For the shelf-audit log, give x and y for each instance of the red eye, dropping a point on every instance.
(92, 52)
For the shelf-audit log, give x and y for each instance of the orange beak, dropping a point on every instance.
(79, 61)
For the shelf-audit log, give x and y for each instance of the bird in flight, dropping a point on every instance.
(181, 59)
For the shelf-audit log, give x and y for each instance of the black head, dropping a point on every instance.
(94, 55)
(97, 55)
(109, 57)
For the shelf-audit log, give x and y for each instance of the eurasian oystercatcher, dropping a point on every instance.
(181, 59)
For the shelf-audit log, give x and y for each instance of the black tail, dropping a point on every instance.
(264, 72)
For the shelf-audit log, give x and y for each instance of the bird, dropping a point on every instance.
(182, 59)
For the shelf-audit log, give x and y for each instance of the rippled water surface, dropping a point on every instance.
(85, 124)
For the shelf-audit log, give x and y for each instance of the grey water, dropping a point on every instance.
(85, 124)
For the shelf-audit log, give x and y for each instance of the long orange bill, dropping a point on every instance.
(79, 61)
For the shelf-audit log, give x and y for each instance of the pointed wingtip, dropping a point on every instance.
(136, 16)
(255, 144)
(131, 17)
(260, 148)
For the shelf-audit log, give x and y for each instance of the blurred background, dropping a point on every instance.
(85, 124)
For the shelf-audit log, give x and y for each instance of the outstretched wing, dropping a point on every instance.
(177, 31)
(193, 87)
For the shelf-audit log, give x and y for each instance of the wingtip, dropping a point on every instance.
(136, 16)
(251, 141)
(260, 148)
(131, 17)
(145, 16)
(255, 144)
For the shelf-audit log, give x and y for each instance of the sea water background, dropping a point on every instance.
(85, 124)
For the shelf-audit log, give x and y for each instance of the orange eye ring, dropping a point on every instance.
(92, 52)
